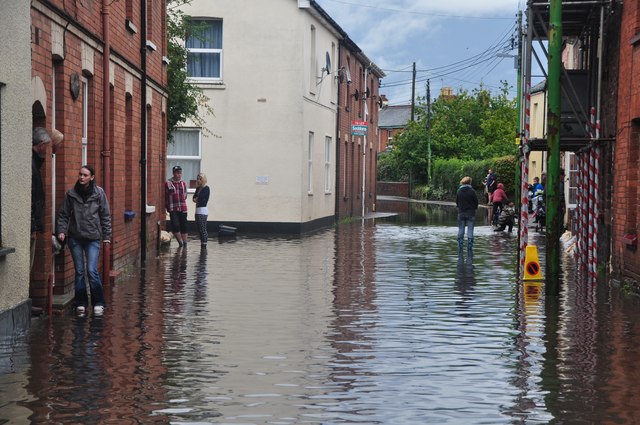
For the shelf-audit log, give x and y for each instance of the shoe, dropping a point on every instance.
(98, 310)
(184, 244)
(80, 310)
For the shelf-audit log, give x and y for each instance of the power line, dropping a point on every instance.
(488, 55)
(412, 12)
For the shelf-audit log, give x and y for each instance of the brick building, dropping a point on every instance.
(626, 192)
(111, 109)
(358, 102)
(393, 120)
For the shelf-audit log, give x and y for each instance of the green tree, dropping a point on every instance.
(185, 100)
(468, 126)
(475, 125)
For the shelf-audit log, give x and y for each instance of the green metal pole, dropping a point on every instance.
(553, 145)
(428, 120)
(519, 116)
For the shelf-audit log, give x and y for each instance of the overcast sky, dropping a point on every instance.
(454, 43)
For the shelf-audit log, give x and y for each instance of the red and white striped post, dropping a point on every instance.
(524, 204)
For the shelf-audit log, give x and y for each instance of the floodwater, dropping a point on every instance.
(373, 322)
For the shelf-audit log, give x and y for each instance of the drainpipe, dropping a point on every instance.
(143, 133)
(338, 116)
(364, 144)
(106, 131)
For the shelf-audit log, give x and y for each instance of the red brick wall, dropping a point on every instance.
(393, 189)
(351, 159)
(84, 21)
(626, 261)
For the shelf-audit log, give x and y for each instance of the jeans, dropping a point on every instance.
(466, 219)
(91, 249)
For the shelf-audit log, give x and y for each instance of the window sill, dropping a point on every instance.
(6, 251)
(207, 84)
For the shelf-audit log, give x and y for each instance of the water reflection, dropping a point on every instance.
(376, 322)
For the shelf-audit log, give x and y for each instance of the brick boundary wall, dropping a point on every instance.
(393, 189)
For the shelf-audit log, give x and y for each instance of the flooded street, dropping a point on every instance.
(373, 322)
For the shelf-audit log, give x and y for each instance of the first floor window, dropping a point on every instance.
(204, 47)
(573, 180)
(310, 164)
(185, 151)
(327, 164)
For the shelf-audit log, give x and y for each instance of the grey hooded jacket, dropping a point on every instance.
(90, 219)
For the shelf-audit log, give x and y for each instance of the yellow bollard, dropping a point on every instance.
(532, 270)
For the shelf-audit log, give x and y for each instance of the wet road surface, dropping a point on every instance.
(375, 322)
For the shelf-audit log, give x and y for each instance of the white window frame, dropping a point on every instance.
(181, 159)
(210, 50)
(327, 164)
(85, 119)
(310, 164)
(570, 172)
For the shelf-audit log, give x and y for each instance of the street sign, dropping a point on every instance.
(359, 128)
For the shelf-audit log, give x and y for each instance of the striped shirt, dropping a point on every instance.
(175, 195)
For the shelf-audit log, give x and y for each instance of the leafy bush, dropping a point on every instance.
(447, 174)
(387, 169)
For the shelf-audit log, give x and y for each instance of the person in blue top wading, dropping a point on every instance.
(201, 198)
(467, 203)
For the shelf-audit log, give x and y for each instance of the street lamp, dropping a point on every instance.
(507, 55)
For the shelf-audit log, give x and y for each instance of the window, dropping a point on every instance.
(310, 164)
(204, 46)
(573, 180)
(1, 87)
(85, 119)
(327, 164)
(185, 152)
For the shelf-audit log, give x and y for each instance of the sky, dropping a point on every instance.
(454, 43)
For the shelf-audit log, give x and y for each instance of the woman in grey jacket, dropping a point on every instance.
(84, 219)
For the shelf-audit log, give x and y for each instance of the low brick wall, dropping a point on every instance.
(392, 189)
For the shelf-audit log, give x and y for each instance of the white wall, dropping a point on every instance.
(15, 125)
(256, 161)
(537, 126)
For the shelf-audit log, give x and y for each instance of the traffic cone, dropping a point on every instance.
(532, 270)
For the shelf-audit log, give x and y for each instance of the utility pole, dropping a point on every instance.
(413, 93)
(553, 145)
(428, 125)
(519, 112)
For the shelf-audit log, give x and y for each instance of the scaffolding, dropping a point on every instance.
(584, 25)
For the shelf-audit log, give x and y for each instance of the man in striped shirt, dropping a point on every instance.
(176, 201)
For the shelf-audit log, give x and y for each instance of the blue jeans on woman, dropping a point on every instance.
(91, 249)
(466, 219)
